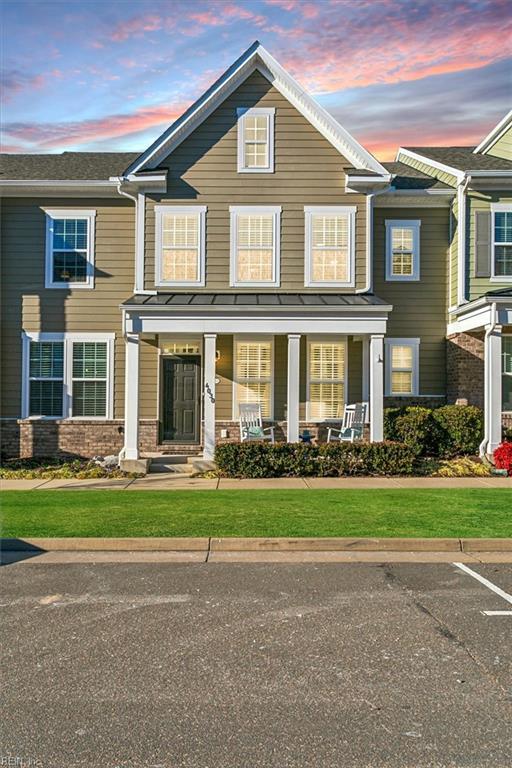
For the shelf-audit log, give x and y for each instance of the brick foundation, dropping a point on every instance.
(424, 402)
(25, 438)
(465, 368)
(317, 431)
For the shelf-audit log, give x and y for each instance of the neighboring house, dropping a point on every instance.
(254, 252)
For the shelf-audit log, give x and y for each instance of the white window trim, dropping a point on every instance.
(67, 402)
(505, 373)
(415, 225)
(248, 210)
(326, 210)
(325, 340)
(407, 342)
(200, 211)
(498, 208)
(242, 113)
(249, 338)
(67, 213)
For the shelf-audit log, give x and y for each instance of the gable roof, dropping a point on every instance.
(407, 177)
(496, 133)
(256, 58)
(462, 158)
(65, 166)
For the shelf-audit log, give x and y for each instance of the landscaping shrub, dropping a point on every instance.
(55, 468)
(503, 457)
(448, 431)
(462, 429)
(253, 460)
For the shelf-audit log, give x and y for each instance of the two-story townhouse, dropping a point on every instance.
(255, 252)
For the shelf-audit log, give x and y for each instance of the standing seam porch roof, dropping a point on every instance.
(289, 300)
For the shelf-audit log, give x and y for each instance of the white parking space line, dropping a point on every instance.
(489, 585)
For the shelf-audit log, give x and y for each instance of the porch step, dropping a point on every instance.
(180, 450)
(171, 464)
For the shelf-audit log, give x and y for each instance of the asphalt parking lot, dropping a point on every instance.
(228, 665)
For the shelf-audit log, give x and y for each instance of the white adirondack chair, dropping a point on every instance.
(251, 424)
(352, 427)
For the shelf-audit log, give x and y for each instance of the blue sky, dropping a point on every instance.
(112, 76)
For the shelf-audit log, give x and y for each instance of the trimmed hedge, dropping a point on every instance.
(257, 459)
(451, 430)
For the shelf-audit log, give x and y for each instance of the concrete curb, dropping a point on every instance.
(234, 544)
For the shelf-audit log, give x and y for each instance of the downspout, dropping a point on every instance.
(368, 288)
(461, 239)
(121, 191)
(482, 451)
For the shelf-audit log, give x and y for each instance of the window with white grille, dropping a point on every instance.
(255, 245)
(180, 245)
(502, 239)
(69, 248)
(253, 374)
(403, 250)
(402, 360)
(46, 378)
(329, 235)
(67, 375)
(326, 379)
(255, 140)
(90, 369)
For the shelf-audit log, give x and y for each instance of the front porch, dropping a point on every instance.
(213, 356)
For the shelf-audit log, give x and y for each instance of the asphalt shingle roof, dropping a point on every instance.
(67, 165)
(463, 159)
(405, 177)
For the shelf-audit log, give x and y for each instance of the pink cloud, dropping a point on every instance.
(135, 27)
(13, 81)
(52, 135)
(207, 18)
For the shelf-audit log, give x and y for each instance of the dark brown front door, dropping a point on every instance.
(180, 404)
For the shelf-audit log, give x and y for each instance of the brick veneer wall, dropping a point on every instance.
(317, 431)
(425, 402)
(26, 437)
(465, 368)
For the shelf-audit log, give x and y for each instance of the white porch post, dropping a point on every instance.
(365, 384)
(293, 393)
(131, 397)
(493, 384)
(376, 387)
(210, 352)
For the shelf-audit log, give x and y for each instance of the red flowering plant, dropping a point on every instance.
(503, 457)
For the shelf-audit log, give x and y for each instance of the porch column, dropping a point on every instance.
(365, 384)
(493, 384)
(210, 352)
(293, 393)
(376, 388)
(131, 397)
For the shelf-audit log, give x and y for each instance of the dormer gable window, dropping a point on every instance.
(255, 139)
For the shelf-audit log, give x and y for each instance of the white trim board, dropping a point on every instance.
(494, 134)
(257, 58)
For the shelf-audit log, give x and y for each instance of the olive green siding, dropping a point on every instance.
(502, 147)
(425, 167)
(419, 308)
(27, 305)
(481, 201)
(308, 171)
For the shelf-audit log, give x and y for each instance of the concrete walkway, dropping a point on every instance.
(159, 482)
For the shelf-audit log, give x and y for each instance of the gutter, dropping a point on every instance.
(140, 213)
(482, 450)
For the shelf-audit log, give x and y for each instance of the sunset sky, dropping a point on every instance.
(113, 75)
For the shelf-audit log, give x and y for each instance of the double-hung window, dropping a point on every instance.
(67, 375)
(255, 139)
(180, 245)
(329, 246)
(255, 236)
(69, 248)
(46, 378)
(507, 373)
(403, 250)
(402, 366)
(253, 374)
(326, 379)
(502, 241)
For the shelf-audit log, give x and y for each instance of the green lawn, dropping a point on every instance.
(430, 513)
